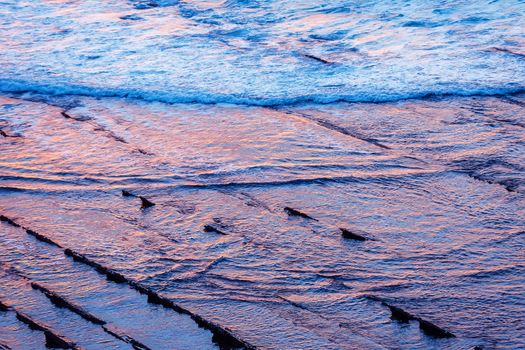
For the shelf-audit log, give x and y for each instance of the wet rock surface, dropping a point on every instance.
(268, 228)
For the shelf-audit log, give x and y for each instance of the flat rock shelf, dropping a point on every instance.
(142, 225)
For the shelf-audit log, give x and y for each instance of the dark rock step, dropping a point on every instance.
(401, 315)
(62, 302)
(53, 340)
(295, 212)
(221, 335)
(352, 235)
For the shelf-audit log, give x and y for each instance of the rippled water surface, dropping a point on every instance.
(256, 131)
(263, 52)
(437, 186)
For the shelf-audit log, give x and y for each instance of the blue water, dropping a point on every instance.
(437, 185)
(263, 52)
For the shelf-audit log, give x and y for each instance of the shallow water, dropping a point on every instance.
(436, 185)
(270, 108)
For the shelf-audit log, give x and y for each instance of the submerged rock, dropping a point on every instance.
(62, 302)
(352, 235)
(127, 194)
(145, 203)
(294, 212)
(210, 228)
(401, 315)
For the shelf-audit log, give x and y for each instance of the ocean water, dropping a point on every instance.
(402, 122)
(263, 52)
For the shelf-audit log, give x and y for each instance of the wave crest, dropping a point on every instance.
(21, 86)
